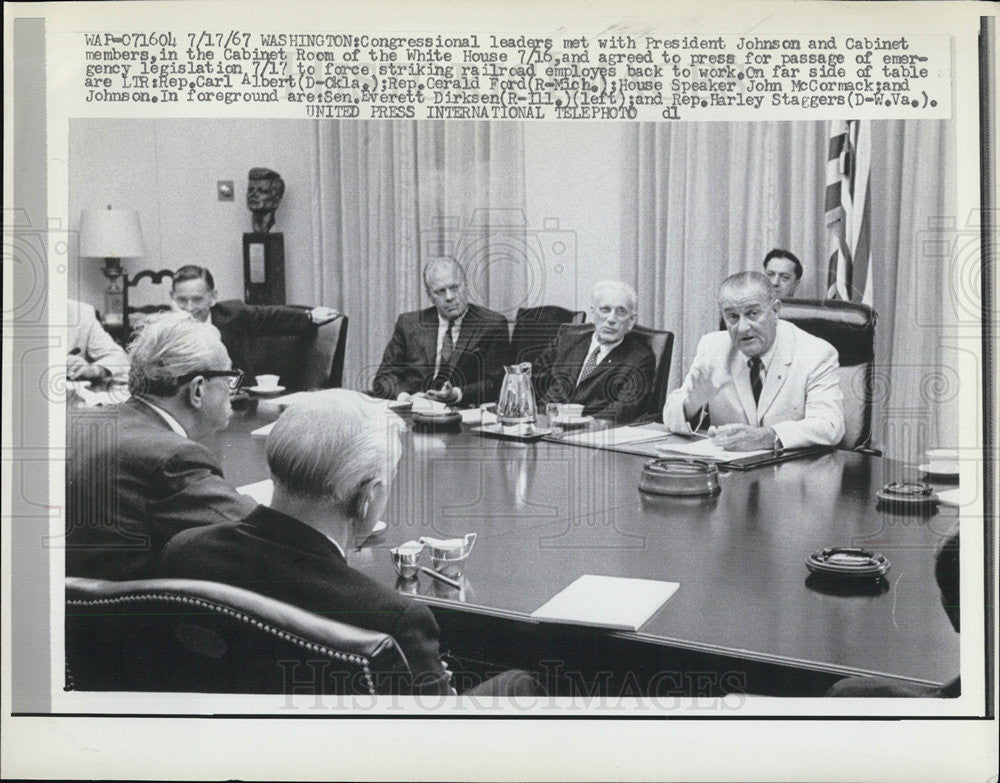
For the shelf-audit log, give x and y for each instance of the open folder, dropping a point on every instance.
(607, 602)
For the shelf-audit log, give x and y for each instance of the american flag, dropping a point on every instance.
(848, 212)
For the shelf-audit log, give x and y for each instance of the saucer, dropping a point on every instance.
(572, 421)
(266, 389)
(932, 470)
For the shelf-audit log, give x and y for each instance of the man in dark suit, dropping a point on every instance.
(606, 369)
(332, 458)
(240, 324)
(784, 270)
(454, 351)
(138, 473)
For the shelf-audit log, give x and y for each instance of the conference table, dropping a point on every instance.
(748, 616)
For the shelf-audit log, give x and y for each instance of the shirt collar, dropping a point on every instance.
(606, 348)
(443, 322)
(170, 420)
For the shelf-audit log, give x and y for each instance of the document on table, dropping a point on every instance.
(260, 491)
(705, 449)
(607, 601)
(287, 399)
(617, 436)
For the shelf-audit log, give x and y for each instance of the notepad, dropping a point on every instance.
(260, 491)
(617, 436)
(708, 450)
(607, 602)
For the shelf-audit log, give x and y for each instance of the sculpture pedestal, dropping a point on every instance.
(264, 268)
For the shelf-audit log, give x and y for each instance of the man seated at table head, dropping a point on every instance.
(784, 271)
(193, 291)
(606, 369)
(332, 458)
(763, 383)
(453, 351)
(91, 353)
(140, 472)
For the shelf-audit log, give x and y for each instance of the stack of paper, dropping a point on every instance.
(705, 449)
(607, 602)
(617, 436)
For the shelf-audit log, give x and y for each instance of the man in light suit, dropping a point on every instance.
(766, 384)
(453, 352)
(139, 473)
(91, 353)
(606, 369)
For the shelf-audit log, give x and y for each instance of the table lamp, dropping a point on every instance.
(111, 234)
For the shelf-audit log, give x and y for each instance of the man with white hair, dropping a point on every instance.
(332, 458)
(763, 383)
(138, 473)
(606, 369)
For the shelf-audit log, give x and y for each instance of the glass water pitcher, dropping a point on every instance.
(516, 404)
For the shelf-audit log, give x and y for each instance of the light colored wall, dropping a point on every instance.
(167, 170)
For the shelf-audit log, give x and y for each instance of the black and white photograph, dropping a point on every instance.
(508, 418)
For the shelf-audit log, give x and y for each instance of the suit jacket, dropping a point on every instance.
(241, 325)
(278, 556)
(476, 364)
(800, 399)
(131, 484)
(618, 389)
(85, 335)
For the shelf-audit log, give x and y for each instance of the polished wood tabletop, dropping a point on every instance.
(546, 513)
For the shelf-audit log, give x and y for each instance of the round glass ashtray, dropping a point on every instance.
(679, 476)
(843, 562)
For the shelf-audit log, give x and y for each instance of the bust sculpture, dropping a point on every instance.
(264, 191)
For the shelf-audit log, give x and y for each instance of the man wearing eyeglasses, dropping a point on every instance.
(606, 369)
(141, 472)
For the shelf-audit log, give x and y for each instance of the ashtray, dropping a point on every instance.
(906, 495)
(844, 562)
(436, 420)
(679, 476)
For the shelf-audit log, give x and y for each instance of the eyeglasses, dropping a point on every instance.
(235, 377)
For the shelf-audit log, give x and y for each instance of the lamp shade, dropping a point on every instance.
(110, 233)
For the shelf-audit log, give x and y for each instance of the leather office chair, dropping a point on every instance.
(850, 328)
(662, 345)
(536, 327)
(305, 362)
(180, 635)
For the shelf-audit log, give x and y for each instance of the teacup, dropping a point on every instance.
(448, 554)
(406, 558)
(942, 461)
(268, 381)
(570, 411)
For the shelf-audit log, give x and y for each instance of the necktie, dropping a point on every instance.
(447, 349)
(756, 382)
(590, 365)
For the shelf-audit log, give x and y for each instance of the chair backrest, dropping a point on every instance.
(304, 362)
(203, 637)
(536, 327)
(662, 345)
(130, 314)
(323, 367)
(850, 328)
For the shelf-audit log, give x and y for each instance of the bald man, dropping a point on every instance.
(453, 351)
